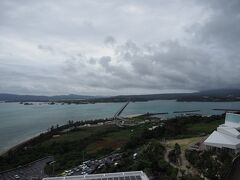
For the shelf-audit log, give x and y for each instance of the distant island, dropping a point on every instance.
(217, 95)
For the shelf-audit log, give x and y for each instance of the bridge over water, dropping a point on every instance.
(119, 112)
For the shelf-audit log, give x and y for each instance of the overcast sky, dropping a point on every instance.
(110, 47)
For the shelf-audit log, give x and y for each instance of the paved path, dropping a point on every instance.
(27, 172)
(182, 164)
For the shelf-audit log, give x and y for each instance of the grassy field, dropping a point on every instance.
(195, 131)
(203, 127)
(96, 141)
(111, 140)
(115, 139)
(188, 127)
(93, 142)
(82, 133)
(184, 143)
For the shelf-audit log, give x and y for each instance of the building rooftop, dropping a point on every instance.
(229, 131)
(220, 140)
(232, 120)
(227, 134)
(131, 175)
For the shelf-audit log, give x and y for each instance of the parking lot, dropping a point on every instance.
(35, 170)
(90, 166)
(31, 171)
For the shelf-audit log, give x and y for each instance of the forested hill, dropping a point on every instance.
(213, 95)
(208, 95)
(33, 98)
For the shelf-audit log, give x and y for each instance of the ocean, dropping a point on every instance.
(20, 122)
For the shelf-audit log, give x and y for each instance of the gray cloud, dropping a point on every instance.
(223, 26)
(59, 47)
(109, 40)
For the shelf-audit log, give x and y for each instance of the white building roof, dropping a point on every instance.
(131, 175)
(229, 131)
(232, 120)
(218, 139)
(227, 134)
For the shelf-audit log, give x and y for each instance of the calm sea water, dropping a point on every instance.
(19, 122)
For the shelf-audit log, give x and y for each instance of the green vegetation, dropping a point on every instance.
(69, 148)
(112, 140)
(213, 165)
(185, 127)
(71, 144)
(185, 142)
(208, 95)
(204, 126)
(174, 154)
(149, 158)
(190, 177)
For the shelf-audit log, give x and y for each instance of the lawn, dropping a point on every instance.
(95, 141)
(77, 135)
(203, 127)
(195, 132)
(112, 140)
(184, 143)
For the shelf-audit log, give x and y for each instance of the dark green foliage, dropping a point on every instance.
(134, 142)
(177, 149)
(174, 154)
(66, 153)
(172, 157)
(213, 165)
(184, 127)
(150, 159)
(190, 177)
(150, 152)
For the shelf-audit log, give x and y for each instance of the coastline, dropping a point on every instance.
(26, 140)
(135, 108)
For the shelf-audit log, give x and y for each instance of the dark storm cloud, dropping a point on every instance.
(223, 27)
(118, 47)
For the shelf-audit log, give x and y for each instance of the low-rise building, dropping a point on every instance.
(131, 175)
(227, 135)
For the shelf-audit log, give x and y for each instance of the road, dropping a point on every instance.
(182, 163)
(34, 170)
(121, 110)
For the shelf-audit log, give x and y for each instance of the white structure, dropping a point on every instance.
(131, 175)
(227, 135)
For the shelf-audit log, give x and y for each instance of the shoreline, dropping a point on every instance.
(26, 140)
(4, 152)
(21, 142)
(77, 102)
